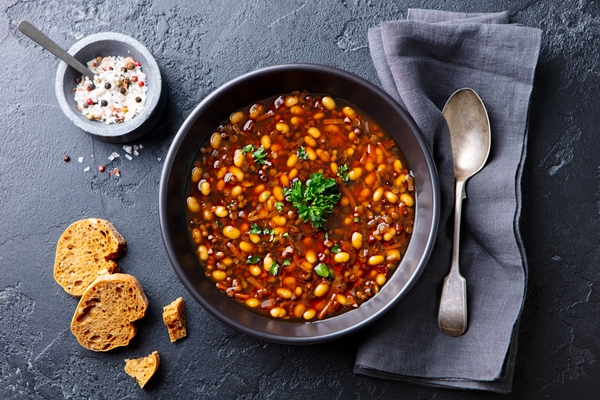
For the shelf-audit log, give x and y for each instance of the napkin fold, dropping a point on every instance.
(421, 61)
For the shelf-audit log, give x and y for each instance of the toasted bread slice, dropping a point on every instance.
(174, 318)
(142, 369)
(86, 250)
(103, 318)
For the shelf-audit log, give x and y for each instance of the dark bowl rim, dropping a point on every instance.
(141, 123)
(177, 142)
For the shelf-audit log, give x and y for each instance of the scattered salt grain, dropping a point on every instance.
(127, 156)
(80, 159)
(113, 156)
(86, 169)
(158, 159)
(128, 149)
(136, 153)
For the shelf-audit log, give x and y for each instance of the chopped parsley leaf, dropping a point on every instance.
(342, 172)
(323, 271)
(270, 232)
(255, 230)
(336, 248)
(301, 153)
(247, 149)
(260, 155)
(279, 206)
(274, 270)
(252, 259)
(285, 263)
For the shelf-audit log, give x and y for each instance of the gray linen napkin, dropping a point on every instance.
(421, 62)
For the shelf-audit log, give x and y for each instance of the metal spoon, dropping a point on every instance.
(470, 136)
(37, 36)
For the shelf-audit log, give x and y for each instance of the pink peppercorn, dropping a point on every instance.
(141, 83)
(90, 102)
(138, 64)
(101, 168)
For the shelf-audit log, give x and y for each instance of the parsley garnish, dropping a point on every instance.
(285, 263)
(252, 259)
(255, 230)
(301, 153)
(279, 206)
(342, 172)
(274, 268)
(314, 199)
(270, 232)
(219, 224)
(336, 248)
(260, 155)
(323, 271)
(247, 149)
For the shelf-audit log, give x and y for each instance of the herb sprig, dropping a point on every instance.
(314, 199)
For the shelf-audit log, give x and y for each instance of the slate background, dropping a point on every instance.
(199, 46)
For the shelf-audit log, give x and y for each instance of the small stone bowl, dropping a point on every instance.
(112, 44)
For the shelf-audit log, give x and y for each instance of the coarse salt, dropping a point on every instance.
(116, 94)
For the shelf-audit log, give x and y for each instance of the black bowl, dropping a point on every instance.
(258, 85)
(112, 44)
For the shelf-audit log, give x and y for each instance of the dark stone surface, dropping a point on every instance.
(199, 46)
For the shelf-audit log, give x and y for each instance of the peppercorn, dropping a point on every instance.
(138, 99)
(103, 103)
(107, 85)
(134, 79)
(141, 83)
(123, 90)
(118, 83)
(99, 59)
(66, 158)
(91, 87)
(77, 80)
(123, 69)
(130, 65)
(90, 102)
(101, 168)
(138, 64)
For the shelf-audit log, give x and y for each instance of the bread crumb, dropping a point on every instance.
(174, 318)
(142, 369)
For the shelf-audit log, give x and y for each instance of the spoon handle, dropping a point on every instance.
(37, 36)
(452, 315)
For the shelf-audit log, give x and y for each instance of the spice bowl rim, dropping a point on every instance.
(106, 44)
(258, 85)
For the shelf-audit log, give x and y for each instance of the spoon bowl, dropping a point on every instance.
(469, 132)
(470, 136)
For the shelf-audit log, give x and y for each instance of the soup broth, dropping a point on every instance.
(300, 206)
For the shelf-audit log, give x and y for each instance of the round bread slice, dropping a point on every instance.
(142, 369)
(106, 311)
(86, 250)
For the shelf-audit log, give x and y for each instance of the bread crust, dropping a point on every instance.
(142, 369)
(106, 311)
(174, 319)
(86, 250)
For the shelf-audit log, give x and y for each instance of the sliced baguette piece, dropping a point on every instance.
(86, 250)
(174, 318)
(142, 369)
(104, 316)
